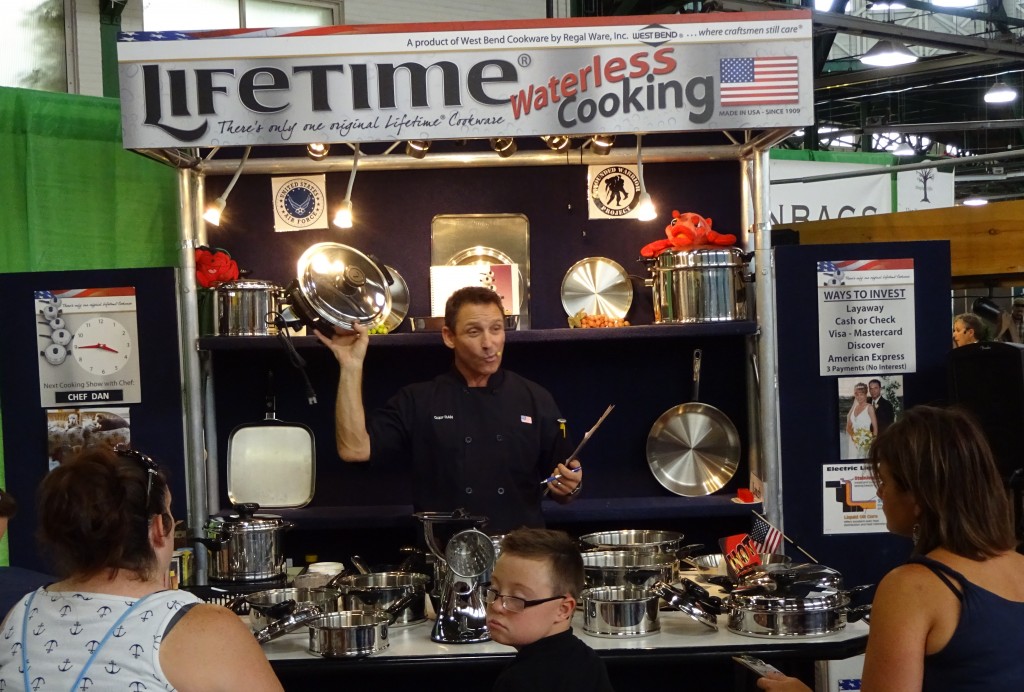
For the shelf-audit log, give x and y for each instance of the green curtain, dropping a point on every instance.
(73, 198)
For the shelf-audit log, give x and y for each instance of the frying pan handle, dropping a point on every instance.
(697, 354)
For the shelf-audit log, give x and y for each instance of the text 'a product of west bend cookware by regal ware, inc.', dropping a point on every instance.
(693, 449)
(245, 546)
(246, 308)
(698, 285)
(338, 286)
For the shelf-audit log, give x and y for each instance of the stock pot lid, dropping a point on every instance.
(247, 285)
(701, 257)
(796, 600)
(343, 286)
(246, 519)
(599, 286)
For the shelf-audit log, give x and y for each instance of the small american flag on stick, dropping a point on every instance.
(766, 536)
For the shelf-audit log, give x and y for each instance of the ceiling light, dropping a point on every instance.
(417, 148)
(1000, 92)
(504, 146)
(954, 3)
(886, 53)
(343, 217)
(884, 6)
(216, 208)
(557, 142)
(601, 144)
(318, 150)
(975, 202)
(645, 210)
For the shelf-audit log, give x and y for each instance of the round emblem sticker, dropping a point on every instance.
(300, 202)
(615, 190)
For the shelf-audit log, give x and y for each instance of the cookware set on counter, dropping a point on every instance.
(631, 577)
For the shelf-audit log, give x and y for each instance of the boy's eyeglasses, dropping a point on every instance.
(514, 604)
(148, 465)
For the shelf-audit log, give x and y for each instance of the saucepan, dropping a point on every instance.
(626, 568)
(379, 590)
(264, 607)
(638, 541)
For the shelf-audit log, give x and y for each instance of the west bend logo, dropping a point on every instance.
(654, 35)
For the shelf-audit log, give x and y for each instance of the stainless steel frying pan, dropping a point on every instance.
(693, 449)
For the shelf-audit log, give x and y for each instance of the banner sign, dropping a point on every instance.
(827, 199)
(866, 317)
(595, 75)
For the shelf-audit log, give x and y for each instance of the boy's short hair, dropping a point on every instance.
(8, 507)
(556, 547)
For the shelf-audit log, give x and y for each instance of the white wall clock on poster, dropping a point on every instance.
(299, 202)
(88, 346)
(613, 192)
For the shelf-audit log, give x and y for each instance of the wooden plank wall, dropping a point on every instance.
(986, 243)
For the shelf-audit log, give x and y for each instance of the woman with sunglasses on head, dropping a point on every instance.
(111, 623)
(949, 619)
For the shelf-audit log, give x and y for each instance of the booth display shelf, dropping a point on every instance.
(652, 331)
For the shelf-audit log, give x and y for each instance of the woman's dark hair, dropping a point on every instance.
(557, 548)
(470, 295)
(941, 456)
(8, 507)
(94, 514)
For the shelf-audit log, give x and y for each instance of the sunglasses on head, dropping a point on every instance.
(148, 465)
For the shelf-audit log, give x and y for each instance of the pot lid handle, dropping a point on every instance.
(278, 628)
(246, 510)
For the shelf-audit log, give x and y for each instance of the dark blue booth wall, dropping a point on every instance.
(808, 402)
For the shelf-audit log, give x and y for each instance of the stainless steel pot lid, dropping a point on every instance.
(641, 540)
(599, 286)
(246, 519)
(343, 286)
(399, 290)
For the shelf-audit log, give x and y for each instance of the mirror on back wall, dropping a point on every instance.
(987, 314)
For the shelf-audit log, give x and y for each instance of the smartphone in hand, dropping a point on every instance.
(755, 664)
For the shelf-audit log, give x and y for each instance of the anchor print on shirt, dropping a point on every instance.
(92, 645)
(120, 631)
(51, 645)
(137, 686)
(39, 629)
(76, 629)
(86, 684)
(38, 682)
(112, 667)
(9, 632)
(64, 665)
(147, 615)
(103, 611)
(136, 650)
(64, 610)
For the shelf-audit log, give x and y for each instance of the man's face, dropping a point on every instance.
(874, 390)
(478, 340)
(1017, 313)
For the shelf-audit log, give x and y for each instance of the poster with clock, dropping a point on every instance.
(88, 351)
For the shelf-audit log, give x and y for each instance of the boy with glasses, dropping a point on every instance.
(530, 603)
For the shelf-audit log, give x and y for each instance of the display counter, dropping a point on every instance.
(684, 649)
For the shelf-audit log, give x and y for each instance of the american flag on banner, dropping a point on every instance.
(759, 81)
(766, 536)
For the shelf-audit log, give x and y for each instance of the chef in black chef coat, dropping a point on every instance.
(480, 437)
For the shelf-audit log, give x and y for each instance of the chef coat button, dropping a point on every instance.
(501, 438)
(501, 491)
(469, 491)
(468, 439)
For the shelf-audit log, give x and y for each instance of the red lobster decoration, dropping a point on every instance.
(687, 230)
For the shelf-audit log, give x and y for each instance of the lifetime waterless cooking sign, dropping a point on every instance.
(466, 80)
(866, 316)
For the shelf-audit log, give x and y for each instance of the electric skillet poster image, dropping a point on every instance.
(87, 342)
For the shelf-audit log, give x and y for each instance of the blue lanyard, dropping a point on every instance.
(95, 652)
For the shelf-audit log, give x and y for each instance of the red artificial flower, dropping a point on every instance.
(214, 266)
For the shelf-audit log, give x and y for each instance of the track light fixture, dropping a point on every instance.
(557, 142)
(602, 144)
(886, 53)
(904, 149)
(974, 202)
(1000, 92)
(503, 146)
(417, 148)
(318, 150)
(343, 217)
(645, 210)
(216, 208)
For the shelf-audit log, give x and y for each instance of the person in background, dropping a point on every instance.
(479, 437)
(111, 623)
(949, 619)
(1017, 315)
(530, 603)
(15, 582)
(884, 413)
(968, 328)
(861, 424)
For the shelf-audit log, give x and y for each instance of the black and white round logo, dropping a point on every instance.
(300, 202)
(615, 190)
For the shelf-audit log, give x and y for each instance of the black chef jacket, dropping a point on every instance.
(485, 449)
